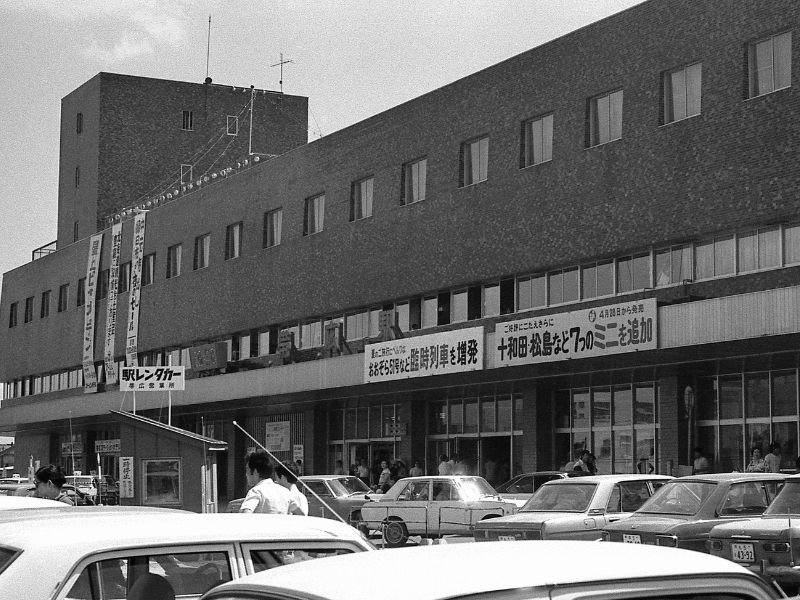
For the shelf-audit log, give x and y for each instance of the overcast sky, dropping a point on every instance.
(352, 59)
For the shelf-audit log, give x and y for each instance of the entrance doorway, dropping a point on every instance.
(496, 456)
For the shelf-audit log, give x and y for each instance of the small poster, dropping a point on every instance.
(278, 437)
(126, 477)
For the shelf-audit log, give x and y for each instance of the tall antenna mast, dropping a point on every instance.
(208, 47)
(281, 63)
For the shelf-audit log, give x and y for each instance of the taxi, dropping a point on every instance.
(549, 570)
(433, 506)
(122, 552)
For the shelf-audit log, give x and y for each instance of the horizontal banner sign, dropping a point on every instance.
(106, 446)
(435, 354)
(611, 329)
(151, 379)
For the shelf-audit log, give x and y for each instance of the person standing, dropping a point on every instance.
(384, 480)
(583, 463)
(416, 470)
(772, 461)
(363, 471)
(700, 465)
(48, 482)
(444, 465)
(339, 470)
(756, 464)
(287, 479)
(264, 496)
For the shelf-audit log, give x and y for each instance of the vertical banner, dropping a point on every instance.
(126, 477)
(111, 303)
(92, 265)
(131, 340)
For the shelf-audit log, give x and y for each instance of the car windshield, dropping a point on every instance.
(519, 485)
(346, 486)
(787, 502)
(475, 488)
(679, 498)
(7, 556)
(570, 497)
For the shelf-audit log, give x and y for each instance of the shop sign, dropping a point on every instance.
(92, 266)
(278, 435)
(152, 379)
(435, 354)
(297, 452)
(70, 448)
(106, 446)
(395, 429)
(126, 477)
(599, 331)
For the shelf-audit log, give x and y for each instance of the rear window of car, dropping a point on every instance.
(571, 497)
(679, 498)
(7, 556)
(269, 559)
(787, 502)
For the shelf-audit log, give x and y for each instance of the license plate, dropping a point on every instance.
(743, 553)
(506, 538)
(629, 538)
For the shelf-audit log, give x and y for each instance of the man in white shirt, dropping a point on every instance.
(264, 496)
(772, 461)
(444, 465)
(286, 479)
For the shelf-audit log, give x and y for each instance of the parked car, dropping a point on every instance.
(25, 502)
(553, 570)
(103, 552)
(25, 489)
(107, 490)
(684, 510)
(519, 489)
(770, 545)
(573, 509)
(87, 484)
(433, 506)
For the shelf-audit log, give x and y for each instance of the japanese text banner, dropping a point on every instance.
(435, 354)
(610, 329)
(152, 379)
(92, 266)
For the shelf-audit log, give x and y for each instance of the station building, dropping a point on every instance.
(593, 244)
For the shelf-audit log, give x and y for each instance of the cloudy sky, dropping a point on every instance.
(351, 58)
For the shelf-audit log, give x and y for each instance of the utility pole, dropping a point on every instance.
(281, 63)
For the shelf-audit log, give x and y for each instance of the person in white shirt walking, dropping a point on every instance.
(264, 496)
(285, 478)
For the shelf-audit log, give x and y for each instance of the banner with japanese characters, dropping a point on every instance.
(435, 354)
(92, 273)
(611, 329)
(137, 257)
(152, 379)
(111, 303)
(126, 477)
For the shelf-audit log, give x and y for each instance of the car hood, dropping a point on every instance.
(518, 499)
(532, 520)
(648, 523)
(757, 528)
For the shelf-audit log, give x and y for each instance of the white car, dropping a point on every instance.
(102, 552)
(22, 502)
(84, 483)
(554, 570)
(433, 506)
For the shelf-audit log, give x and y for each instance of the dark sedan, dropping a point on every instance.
(684, 511)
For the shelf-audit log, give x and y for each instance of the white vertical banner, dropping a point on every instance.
(111, 303)
(92, 265)
(137, 257)
(126, 486)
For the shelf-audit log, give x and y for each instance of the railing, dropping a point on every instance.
(42, 251)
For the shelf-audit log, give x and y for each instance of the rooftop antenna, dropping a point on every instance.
(208, 49)
(281, 63)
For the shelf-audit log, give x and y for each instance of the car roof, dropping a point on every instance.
(616, 477)
(733, 477)
(15, 503)
(482, 567)
(82, 531)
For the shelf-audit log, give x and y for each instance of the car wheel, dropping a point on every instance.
(395, 534)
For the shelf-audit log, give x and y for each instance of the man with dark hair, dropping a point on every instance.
(287, 479)
(48, 481)
(264, 496)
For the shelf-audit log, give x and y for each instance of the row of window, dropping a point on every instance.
(187, 122)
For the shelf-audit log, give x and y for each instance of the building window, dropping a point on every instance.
(759, 249)
(202, 251)
(75, 231)
(188, 120)
(682, 92)
(361, 199)
(314, 215)
(63, 297)
(605, 118)
(673, 265)
(44, 309)
(791, 244)
(563, 286)
(79, 123)
(102, 284)
(174, 261)
(80, 297)
(633, 273)
(537, 141)
(233, 125)
(714, 258)
(77, 177)
(770, 64)
(148, 268)
(597, 279)
(12, 314)
(233, 241)
(531, 292)
(474, 161)
(124, 281)
(29, 309)
(186, 174)
(273, 221)
(414, 181)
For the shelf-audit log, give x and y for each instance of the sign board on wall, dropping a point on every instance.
(106, 446)
(435, 354)
(152, 379)
(599, 331)
(126, 477)
(297, 452)
(70, 448)
(278, 436)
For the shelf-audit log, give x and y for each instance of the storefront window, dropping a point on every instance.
(470, 415)
(706, 398)
(757, 395)
(362, 427)
(757, 437)
(731, 452)
(785, 435)
(504, 413)
(784, 393)
(707, 441)
(350, 423)
(730, 397)
(645, 451)
(375, 420)
(162, 481)
(488, 415)
(456, 417)
(336, 425)
(601, 408)
(623, 452)
(580, 410)
(602, 450)
(644, 405)
(437, 417)
(623, 404)
(562, 408)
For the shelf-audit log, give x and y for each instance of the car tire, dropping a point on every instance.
(395, 534)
